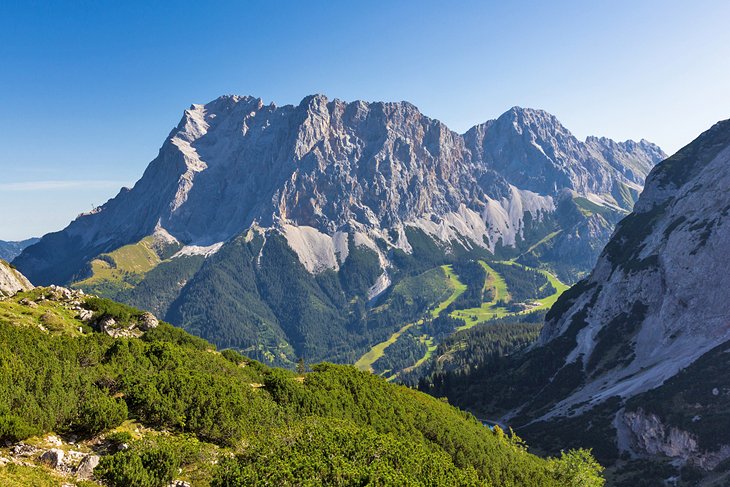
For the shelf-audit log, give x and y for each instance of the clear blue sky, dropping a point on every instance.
(90, 89)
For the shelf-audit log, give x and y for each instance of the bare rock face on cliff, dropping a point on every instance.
(658, 294)
(12, 281)
(327, 167)
(637, 353)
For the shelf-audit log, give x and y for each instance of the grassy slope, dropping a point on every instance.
(47, 314)
(12, 475)
(133, 259)
(429, 352)
(472, 316)
(544, 240)
(376, 351)
(588, 208)
(488, 310)
(457, 289)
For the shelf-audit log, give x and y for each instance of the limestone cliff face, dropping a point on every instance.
(649, 435)
(657, 298)
(532, 150)
(12, 281)
(328, 166)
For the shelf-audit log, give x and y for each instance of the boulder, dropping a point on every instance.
(108, 325)
(27, 302)
(85, 470)
(85, 315)
(54, 440)
(148, 321)
(23, 450)
(12, 281)
(53, 457)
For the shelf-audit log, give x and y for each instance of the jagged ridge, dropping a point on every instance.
(335, 166)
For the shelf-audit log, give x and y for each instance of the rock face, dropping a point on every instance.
(326, 168)
(53, 457)
(640, 349)
(289, 223)
(655, 438)
(12, 281)
(148, 321)
(657, 298)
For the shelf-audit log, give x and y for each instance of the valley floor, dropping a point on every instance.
(500, 305)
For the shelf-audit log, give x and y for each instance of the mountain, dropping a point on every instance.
(284, 231)
(635, 356)
(97, 393)
(10, 250)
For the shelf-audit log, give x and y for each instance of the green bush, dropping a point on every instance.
(343, 426)
(338, 453)
(15, 428)
(143, 465)
(99, 412)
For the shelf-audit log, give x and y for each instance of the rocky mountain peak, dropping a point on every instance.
(539, 122)
(336, 166)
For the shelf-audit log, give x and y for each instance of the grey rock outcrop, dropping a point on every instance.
(12, 281)
(85, 470)
(53, 457)
(661, 279)
(652, 436)
(148, 321)
(644, 340)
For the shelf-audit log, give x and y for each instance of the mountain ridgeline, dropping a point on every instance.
(633, 360)
(284, 231)
(10, 250)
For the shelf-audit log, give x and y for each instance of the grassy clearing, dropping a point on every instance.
(455, 287)
(366, 361)
(12, 474)
(588, 208)
(545, 239)
(429, 352)
(471, 316)
(560, 288)
(490, 310)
